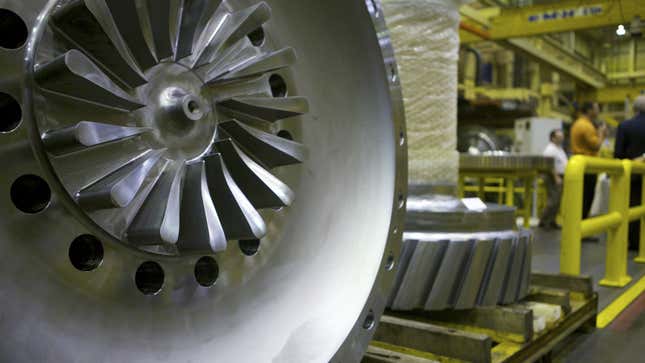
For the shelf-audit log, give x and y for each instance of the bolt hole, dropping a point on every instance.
(250, 247)
(257, 37)
(13, 31)
(402, 138)
(206, 271)
(278, 86)
(285, 135)
(193, 107)
(394, 74)
(149, 278)
(389, 264)
(11, 113)
(370, 321)
(86, 253)
(30, 194)
(401, 201)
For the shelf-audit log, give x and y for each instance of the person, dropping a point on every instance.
(553, 181)
(586, 139)
(630, 144)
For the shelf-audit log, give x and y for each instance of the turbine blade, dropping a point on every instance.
(77, 25)
(239, 218)
(258, 87)
(86, 134)
(257, 65)
(272, 151)
(159, 15)
(261, 188)
(87, 166)
(237, 54)
(265, 108)
(157, 222)
(236, 26)
(200, 231)
(190, 14)
(126, 19)
(118, 189)
(74, 75)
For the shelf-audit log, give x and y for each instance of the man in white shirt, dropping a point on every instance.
(554, 182)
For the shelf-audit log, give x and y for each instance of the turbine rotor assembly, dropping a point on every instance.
(197, 180)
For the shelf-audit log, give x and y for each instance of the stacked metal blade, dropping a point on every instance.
(456, 258)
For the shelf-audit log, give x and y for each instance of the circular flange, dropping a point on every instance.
(199, 297)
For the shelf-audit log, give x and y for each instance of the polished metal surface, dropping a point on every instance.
(477, 139)
(445, 213)
(456, 258)
(505, 162)
(175, 117)
(189, 177)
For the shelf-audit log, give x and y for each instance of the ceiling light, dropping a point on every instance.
(621, 30)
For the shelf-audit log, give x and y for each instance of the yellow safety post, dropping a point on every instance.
(616, 257)
(500, 191)
(639, 213)
(616, 221)
(482, 189)
(528, 201)
(570, 248)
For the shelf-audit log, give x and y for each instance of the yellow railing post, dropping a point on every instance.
(641, 248)
(616, 256)
(528, 201)
(570, 249)
(500, 194)
(482, 188)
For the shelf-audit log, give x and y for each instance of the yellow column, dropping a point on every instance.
(616, 256)
(570, 249)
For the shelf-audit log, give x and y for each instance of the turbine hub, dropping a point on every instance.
(177, 112)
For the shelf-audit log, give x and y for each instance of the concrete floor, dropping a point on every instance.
(623, 340)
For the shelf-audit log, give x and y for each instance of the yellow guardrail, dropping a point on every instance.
(616, 221)
(505, 188)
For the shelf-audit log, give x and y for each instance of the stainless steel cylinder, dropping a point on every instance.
(197, 180)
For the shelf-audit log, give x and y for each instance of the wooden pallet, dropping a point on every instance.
(524, 332)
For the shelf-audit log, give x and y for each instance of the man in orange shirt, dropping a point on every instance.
(586, 139)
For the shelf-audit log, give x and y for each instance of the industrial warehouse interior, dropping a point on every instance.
(375, 181)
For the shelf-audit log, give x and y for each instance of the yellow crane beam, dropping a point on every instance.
(565, 62)
(554, 18)
(479, 24)
(614, 94)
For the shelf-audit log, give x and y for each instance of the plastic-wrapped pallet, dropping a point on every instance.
(425, 34)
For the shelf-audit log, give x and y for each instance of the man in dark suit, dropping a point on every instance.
(630, 144)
